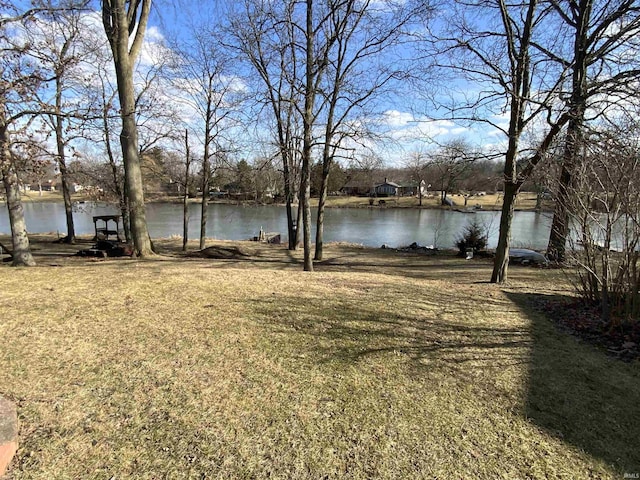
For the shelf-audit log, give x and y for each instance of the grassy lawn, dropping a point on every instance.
(378, 365)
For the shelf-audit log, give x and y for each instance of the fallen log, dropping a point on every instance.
(219, 253)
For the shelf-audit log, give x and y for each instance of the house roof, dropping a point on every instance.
(388, 183)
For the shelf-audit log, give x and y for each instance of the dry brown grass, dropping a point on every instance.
(379, 365)
(36, 197)
(525, 201)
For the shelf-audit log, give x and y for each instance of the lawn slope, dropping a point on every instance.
(210, 369)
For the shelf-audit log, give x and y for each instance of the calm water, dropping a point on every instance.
(371, 227)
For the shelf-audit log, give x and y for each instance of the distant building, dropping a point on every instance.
(387, 189)
(411, 188)
(47, 186)
(357, 188)
(403, 189)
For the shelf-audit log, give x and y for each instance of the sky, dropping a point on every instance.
(411, 115)
(405, 119)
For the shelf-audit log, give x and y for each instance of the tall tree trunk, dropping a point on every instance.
(327, 160)
(324, 187)
(556, 249)
(206, 167)
(520, 95)
(20, 240)
(322, 200)
(185, 197)
(501, 261)
(62, 166)
(205, 198)
(120, 20)
(134, 187)
(309, 97)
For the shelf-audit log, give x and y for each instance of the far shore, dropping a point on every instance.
(526, 201)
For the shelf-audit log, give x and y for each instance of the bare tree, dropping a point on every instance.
(101, 94)
(417, 165)
(449, 164)
(56, 43)
(366, 167)
(213, 94)
(320, 42)
(19, 82)
(155, 115)
(266, 35)
(604, 75)
(312, 75)
(185, 194)
(122, 20)
(604, 211)
(355, 35)
(492, 44)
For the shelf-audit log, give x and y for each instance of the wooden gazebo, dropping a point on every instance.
(103, 232)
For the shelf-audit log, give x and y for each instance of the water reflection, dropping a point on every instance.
(367, 226)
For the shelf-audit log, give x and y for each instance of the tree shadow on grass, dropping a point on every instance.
(578, 393)
(575, 392)
(424, 332)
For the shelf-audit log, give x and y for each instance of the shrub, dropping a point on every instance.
(473, 236)
(604, 206)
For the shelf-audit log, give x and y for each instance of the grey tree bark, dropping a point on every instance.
(512, 63)
(57, 45)
(206, 173)
(308, 120)
(20, 240)
(62, 164)
(355, 33)
(185, 196)
(121, 19)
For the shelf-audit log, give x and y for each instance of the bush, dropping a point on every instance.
(473, 236)
(604, 206)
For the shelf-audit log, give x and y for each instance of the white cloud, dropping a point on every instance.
(395, 118)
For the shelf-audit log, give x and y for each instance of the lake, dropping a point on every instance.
(367, 226)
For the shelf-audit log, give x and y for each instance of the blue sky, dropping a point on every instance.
(408, 122)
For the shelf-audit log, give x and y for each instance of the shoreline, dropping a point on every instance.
(526, 202)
